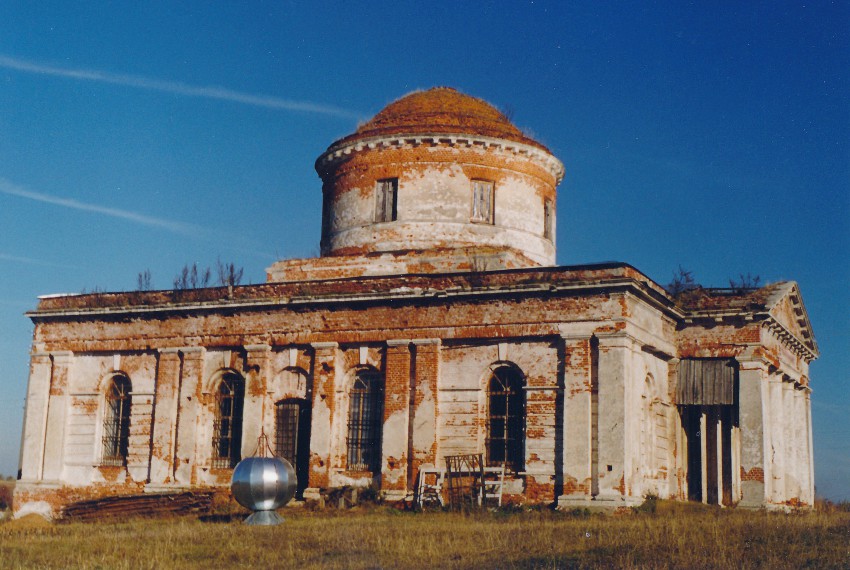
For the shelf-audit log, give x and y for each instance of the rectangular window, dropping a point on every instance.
(482, 201)
(326, 218)
(287, 414)
(386, 192)
(548, 219)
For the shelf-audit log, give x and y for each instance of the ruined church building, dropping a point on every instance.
(434, 323)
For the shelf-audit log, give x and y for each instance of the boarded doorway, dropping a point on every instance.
(292, 437)
(709, 434)
(706, 397)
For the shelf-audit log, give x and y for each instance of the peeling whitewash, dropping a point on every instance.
(597, 348)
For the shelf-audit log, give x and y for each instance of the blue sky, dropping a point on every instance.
(141, 136)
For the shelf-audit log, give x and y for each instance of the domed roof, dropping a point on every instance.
(440, 110)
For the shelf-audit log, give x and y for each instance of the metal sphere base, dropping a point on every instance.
(263, 518)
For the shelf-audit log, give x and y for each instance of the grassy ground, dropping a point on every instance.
(672, 537)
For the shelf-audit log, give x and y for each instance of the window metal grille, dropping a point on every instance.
(364, 422)
(386, 207)
(227, 427)
(116, 422)
(482, 201)
(287, 416)
(506, 420)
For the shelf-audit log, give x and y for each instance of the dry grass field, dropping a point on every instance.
(675, 536)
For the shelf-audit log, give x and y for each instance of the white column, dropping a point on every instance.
(703, 430)
(801, 437)
(754, 432)
(810, 448)
(736, 463)
(792, 489)
(777, 423)
(718, 454)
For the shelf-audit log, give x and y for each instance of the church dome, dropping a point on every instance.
(440, 110)
(443, 173)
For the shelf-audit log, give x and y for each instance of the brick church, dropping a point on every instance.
(434, 323)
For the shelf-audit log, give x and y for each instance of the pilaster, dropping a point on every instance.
(35, 421)
(57, 407)
(426, 371)
(615, 356)
(325, 370)
(168, 372)
(186, 428)
(578, 417)
(395, 438)
(257, 357)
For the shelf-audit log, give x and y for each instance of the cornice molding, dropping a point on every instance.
(338, 153)
(788, 338)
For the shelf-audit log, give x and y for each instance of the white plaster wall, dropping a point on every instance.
(85, 417)
(650, 439)
(462, 399)
(434, 209)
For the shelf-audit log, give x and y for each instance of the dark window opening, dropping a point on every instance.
(386, 207)
(364, 422)
(292, 437)
(326, 218)
(506, 420)
(116, 422)
(287, 416)
(227, 428)
(548, 219)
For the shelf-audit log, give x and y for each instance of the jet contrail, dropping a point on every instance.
(176, 87)
(31, 261)
(11, 189)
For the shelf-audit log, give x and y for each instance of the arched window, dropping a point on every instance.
(116, 422)
(227, 428)
(364, 421)
(506, 419)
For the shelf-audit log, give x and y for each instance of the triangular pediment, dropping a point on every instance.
(786, 307)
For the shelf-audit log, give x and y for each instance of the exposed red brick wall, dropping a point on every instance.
(396, 401)
(440, 110)
(426, 370)
(754, 474)
(539, 490)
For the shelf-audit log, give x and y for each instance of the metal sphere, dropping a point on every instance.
(263, 483)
